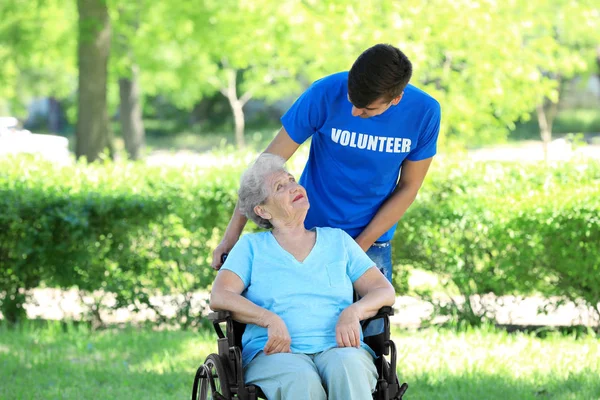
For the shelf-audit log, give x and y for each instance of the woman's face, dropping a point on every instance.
(287, 199)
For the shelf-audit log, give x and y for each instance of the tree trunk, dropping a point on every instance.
(54, 115)
(93, 130)
(238, 118)
(545, 132)
(197, 113)
(546, 112)
(598, 63)
(237, 106)
(130, 113)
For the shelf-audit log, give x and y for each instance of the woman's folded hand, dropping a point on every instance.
(279, 337)
(347, 330)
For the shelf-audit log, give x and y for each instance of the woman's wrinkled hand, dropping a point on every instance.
(279, 337)
(347, 330)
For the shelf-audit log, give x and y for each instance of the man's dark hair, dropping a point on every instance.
(380, 72)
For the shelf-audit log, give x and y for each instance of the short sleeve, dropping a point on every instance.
(358, 261)
(239, 260)
(307, 114)
(427, 145)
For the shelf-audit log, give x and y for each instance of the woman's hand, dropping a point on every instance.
(279, 337)
(347, 330)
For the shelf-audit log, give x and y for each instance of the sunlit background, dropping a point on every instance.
(194, 75)
(124, 126)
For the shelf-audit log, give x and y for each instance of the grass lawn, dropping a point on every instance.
(49, 362)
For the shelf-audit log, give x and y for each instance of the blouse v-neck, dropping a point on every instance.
(290, 255)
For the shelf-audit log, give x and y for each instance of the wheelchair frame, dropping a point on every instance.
(228, 362)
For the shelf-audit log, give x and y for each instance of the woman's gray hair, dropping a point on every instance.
(253, 189)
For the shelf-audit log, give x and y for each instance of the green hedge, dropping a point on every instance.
(138, 231)
(131, 230)
(506, 229)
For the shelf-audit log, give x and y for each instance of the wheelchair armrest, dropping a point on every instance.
(380, 343)
(219, 316)
(384, 312)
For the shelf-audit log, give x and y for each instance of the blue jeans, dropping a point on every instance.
(381, 254)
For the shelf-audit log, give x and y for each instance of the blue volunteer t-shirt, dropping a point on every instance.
(309, 296)
(354, 162)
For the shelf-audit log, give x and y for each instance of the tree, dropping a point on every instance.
(562, 46)
(488, 63)
(130, 114)
(255, 61)
(127, 17)
(37, 52)
(153, 53)
(464, 53)
(93, 130)
(157, 51)
(598, 62)
(186, 51)
(468, 55)
(235, 48)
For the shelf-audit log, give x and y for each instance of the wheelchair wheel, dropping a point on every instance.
(213, 380)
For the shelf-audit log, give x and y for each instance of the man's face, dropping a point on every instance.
(376, 108)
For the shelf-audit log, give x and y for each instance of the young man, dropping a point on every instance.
(368, 127)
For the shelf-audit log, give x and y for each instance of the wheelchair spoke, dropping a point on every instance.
(200, 392)
(215, 381)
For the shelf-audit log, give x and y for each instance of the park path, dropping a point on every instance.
(410, 311)
(559, 150)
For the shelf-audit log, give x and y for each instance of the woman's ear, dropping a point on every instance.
(261, 212)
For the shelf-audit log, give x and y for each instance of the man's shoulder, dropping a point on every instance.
(329, 89)
(414, 94)
(334, 83)
(333, 79)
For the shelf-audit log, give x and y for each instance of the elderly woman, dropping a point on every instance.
(294, 289)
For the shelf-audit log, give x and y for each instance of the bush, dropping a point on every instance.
(561, 237)
(506, 229)
(131, 230)
(135, 232)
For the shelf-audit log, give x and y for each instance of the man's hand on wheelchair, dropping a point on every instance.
(279, 337)
(221, 250)
(347, 330)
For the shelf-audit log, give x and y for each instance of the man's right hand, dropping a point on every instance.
(223, 248)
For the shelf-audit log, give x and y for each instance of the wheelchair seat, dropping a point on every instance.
(221, 376)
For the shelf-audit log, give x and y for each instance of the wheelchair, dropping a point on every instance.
(221, 376)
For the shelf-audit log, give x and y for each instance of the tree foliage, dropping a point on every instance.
(489, 63)
(37, 51)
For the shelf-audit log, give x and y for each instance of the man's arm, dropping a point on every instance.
(283, 146)
(411, 178)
